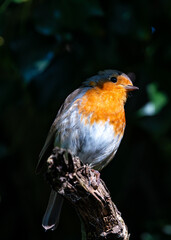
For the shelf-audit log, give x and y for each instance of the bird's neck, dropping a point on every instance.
(105, 106)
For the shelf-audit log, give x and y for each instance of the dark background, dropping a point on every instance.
(47, 48)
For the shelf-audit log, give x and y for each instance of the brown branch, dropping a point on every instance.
(82, 187)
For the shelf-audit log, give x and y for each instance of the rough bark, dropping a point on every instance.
(84, 189)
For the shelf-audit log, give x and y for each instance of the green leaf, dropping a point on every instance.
(157, 101)
(20, 1)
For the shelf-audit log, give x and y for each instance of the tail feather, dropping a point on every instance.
(51, 217)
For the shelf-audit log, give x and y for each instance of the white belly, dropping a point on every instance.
(94, 144)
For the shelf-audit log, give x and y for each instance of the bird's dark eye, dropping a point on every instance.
(113, 79)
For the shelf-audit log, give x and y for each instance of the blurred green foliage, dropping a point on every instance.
(47, 48)
(157, 100)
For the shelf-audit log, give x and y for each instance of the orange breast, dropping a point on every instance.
(104, 103)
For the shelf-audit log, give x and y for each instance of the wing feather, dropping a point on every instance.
(49, 143)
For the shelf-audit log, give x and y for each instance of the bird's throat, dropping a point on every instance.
(103, 106)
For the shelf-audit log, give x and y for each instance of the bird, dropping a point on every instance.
(91, 124)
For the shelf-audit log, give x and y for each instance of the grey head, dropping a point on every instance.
(106, 74)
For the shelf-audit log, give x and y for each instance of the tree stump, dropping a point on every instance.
(83, 188)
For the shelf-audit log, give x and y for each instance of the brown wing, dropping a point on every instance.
(49, 143)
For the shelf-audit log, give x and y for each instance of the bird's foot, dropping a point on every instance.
(95, 179)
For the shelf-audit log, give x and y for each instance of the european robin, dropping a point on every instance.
(91, 124)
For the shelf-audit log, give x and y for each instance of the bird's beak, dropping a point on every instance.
(130, 88)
